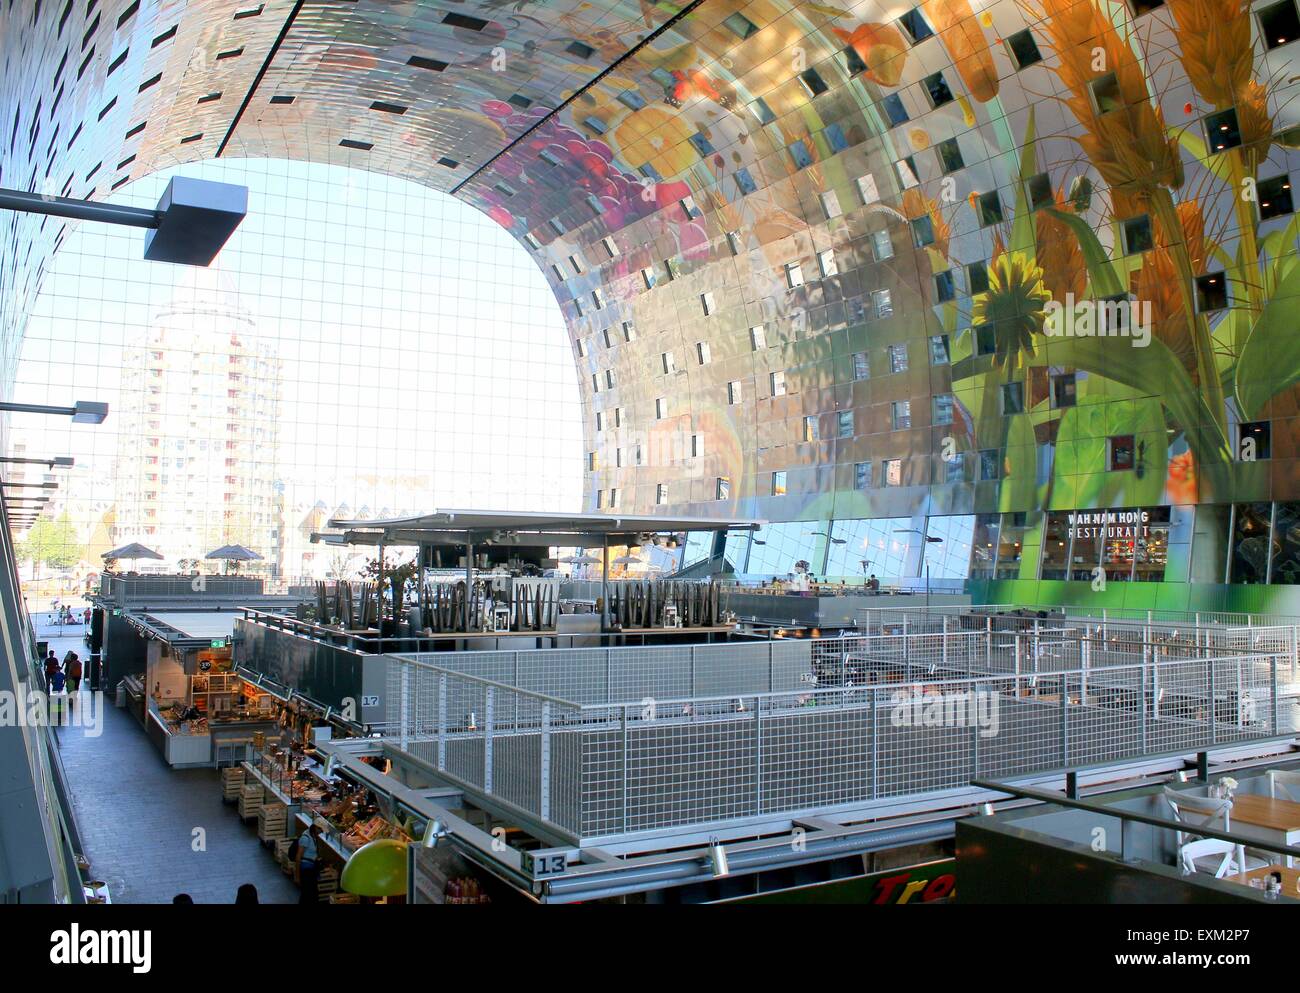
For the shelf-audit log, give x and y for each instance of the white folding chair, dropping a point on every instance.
(1283, 784)
(1207, 812)
(1201, 856)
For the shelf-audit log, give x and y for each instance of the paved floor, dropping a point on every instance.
(151, 831)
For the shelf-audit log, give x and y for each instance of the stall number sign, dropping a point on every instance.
(1130, 524)
(370, 701)
(539, 864)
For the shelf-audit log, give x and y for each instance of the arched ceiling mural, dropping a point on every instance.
(806, 251)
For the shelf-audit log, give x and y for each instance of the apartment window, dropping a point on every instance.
(1274, 194)
(882, 246)
(1254, 441)
(582, 351)
(986, 342)
(894, 109)
(757, 337)
(613, 499)
(707, 304)
(893, 473)
(661, 493)
(618, 417)
(1120, 452)
(922, 231)
(826, 261)
(867, 189)
(939, 354)
(1136, 232)
(936, 87)
(611, 249)
(702, 353)
(609, 379)
(1211, 292)
(862, 475)
(777, 382)
(636, 454)
(949, 155)
(813, 82)
(1278, 24)
(1105, 92)
(883, 303)
(608, 337)
(990, 464)
(810, 428)
(831, 204)
(861, 366)
(1065, 390)
(722, 488)
(697, 445)
(1023, 50)
(901, 414)
(1013, 398)
(600, 421)
(793, 274)
(955, 468)
(733, 392)
(598, 298)
(591, 462)
(1222, 131)
(595, 383)
(740, 25)
(648, 277)
(1039, 189)
(668, 362)
(733, 242)
(943, 409)
(915, 26)
(672, 269)
(945, 287)
(629, 332)
(778, 483)
(898, 358)
(661, 408)
(990, 208)
(844, 423)
(977, 278)
(907, 174)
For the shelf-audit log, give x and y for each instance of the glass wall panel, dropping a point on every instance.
(782, 545)
(871, 547)
(1011, 544)
(1056, 546)
(1088, 531)
(950, 558)
(1151, 555)
(699, 545)
(1250, 542)
(984, 540)
(1286, 545)
(736, 550)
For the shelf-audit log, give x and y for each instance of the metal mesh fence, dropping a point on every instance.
(600, 743)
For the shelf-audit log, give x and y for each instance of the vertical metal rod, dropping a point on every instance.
(875, 744)
(758, 754)
(623, 760)
(489, 699)
(604, 582)
(1272, 676)
(442, 721)
(405, 705)
(469, 579)
(544, 785)
(1065, 720)
(1214, 723)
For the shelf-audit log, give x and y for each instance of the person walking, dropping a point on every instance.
(246, 894)
(51, 666)
(74, 674)
(308, 866)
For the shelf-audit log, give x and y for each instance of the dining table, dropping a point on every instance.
(1269, 818)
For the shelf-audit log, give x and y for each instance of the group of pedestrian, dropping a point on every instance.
(62, 615)
(63, 675)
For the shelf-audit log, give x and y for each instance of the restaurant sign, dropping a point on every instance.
(1123, 524)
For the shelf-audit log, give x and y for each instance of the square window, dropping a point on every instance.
(793, 274)
(915, 25)
(1065, 390)
(882, 246)
(898, 358)
(845, 423)
(1211, 292)
(1274, 196)
(722, 488)
(1137, 235)
(895, 112)
(776, 381)
(778, 483)
(835, 137)
(1013, 398)
(734, 242)
(1254, 441)
(703, 147)
(955, 468)
(1039, 190)
(757, 337)
(923, 231)
(1141, 7)
(702, 352)
(831, 204)
(744, 182)
(1105, 92)
(802, 157)
(813, 82)
(810, 428)
(629, 332)
(1023, 50)
(990, 464)
(733, 392)
(1120, 453)
(1278, 24)
(977, 278)
(862, 475)
(740, 25)
(669, 363)
(945, 287)
(611, 249)
(937, 89)
(648, 277)
(893, 473)
(861, 366)
(986, 342)
(867, 189)
(1221, 130)
(990, 208)
(950, 155)
(943, 409)
(907, 174)
(826, 260)
(762, 111)
(661, 493)
(939, 354)
(853, 61)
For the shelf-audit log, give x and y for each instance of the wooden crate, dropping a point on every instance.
(272, 821)
(232, 783)
(327, 884)
(250, 800)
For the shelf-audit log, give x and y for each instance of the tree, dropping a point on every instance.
(51, 543)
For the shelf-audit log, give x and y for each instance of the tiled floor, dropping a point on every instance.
(150, 831)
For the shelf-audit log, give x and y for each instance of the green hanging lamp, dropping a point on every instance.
(376, 869)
